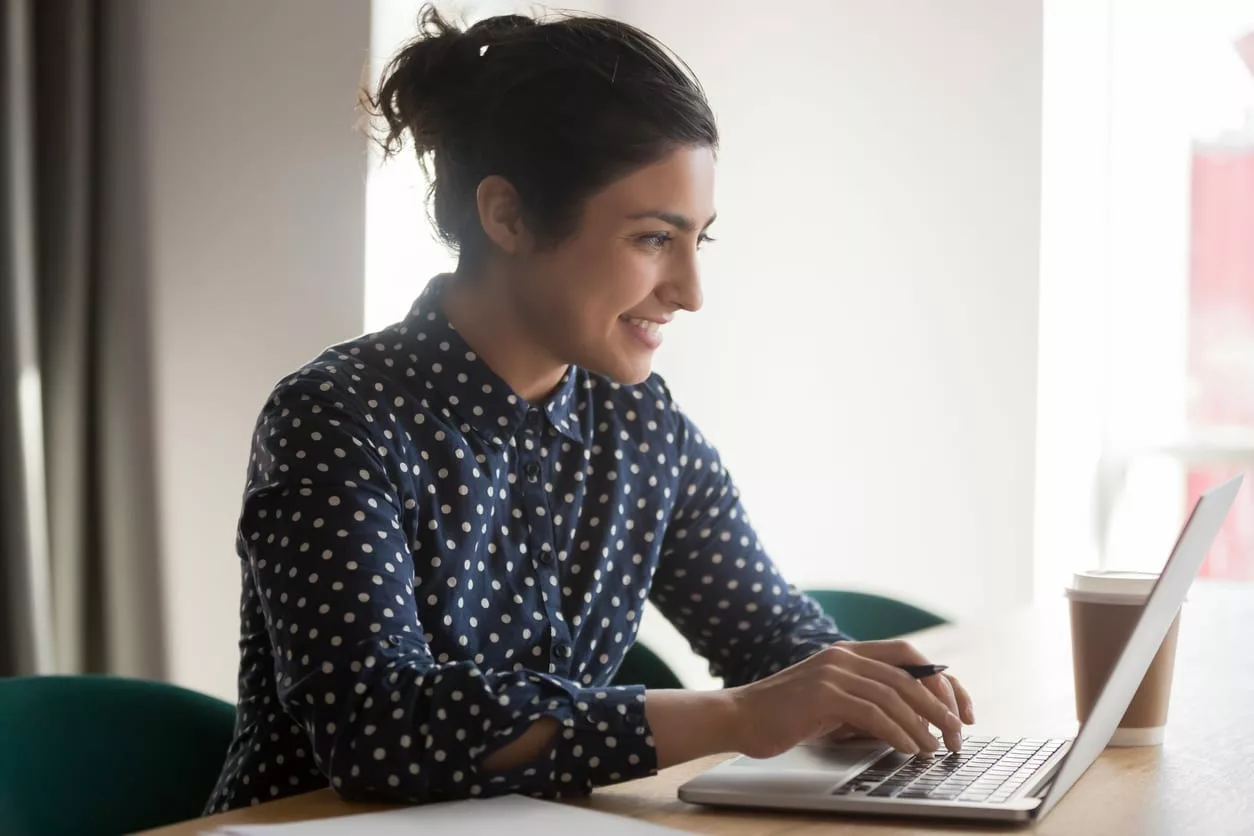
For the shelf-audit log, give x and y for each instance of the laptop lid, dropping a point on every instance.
(1160, 610)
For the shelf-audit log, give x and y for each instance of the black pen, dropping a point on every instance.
(921, 671)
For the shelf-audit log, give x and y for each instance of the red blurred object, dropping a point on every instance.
(1221, 325)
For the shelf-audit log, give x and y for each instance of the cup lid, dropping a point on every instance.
(1106, 586)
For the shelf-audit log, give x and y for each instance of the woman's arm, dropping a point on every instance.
(791, 673)
(692, 724)
(686, 725)
(717, 585)
(790, 681)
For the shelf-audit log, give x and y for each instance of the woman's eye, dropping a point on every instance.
(659, 240)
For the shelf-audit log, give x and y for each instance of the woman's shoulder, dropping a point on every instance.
(363, 373)
(339, 412)
(351, 387)
(650, 401)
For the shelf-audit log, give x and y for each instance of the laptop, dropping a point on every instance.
(992, 778)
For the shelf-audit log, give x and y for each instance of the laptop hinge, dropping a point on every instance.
(1045, 778)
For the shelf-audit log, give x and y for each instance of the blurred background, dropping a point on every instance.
(992, 259)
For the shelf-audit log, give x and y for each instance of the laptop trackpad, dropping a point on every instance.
(834, 760)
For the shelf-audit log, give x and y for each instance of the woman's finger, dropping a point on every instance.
(923, 700)
(966, 708)
(867, 715)
(940, 686)
(888, 700)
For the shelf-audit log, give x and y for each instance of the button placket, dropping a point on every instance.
(539, 514)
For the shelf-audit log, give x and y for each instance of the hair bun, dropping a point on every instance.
(557, 107)
(492, 27)
(424, 81)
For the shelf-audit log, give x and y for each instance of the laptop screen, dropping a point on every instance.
(1160, 610)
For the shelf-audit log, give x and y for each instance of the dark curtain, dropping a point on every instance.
(82, 590)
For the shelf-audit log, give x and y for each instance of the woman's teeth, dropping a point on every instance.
(644, 324)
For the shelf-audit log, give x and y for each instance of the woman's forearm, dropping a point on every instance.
(686, 725)
(690, 724)
(525, 748)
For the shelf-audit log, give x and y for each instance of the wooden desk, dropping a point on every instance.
(1019, 673)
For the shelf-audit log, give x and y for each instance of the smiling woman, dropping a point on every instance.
(451, 526)
(584, 169)
(598, 298)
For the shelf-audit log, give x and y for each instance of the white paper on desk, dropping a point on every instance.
(515, 814)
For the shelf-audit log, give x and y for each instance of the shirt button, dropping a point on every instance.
(546, 558)
(562, 649)
(532, 469)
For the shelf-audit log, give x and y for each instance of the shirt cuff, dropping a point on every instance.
(603, 738)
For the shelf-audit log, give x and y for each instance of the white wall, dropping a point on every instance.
(257, 249)
(867, 357)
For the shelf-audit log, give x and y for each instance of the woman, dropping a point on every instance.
(450, 527)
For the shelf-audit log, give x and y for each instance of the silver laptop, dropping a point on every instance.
(992, 779)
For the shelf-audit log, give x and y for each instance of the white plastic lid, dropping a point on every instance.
(1108, 587)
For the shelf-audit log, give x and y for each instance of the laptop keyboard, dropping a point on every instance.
(988, 769)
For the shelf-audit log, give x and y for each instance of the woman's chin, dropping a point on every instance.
(625, 370)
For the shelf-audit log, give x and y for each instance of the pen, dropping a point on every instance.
(920, 671)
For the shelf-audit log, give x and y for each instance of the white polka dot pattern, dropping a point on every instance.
(430, 564)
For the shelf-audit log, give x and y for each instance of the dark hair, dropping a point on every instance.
(560, 108)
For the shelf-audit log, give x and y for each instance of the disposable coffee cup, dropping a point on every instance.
(1105, 607)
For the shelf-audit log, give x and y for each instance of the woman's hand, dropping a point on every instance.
(944, 686)
(850, 686)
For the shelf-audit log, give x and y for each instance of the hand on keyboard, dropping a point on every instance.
(944, 686)
(851, 685)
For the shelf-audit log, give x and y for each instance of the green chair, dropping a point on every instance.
(641, 666)
(96, 756)
(870, 617)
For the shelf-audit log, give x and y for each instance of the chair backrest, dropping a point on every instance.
(91, 755)
(641, 666)
(870, 617)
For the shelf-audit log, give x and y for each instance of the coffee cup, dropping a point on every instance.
(1105, 607)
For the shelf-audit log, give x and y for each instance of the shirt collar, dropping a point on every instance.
(456, 381)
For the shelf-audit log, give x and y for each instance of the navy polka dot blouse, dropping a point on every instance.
(430, 564)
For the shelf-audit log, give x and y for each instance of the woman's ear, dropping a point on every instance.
(500, 214)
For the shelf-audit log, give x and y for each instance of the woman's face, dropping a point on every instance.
(601, 298)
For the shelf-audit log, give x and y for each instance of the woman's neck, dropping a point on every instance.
(479, 309)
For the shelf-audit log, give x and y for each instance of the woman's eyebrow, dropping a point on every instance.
(680, 222)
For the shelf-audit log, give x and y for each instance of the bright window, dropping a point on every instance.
(1147, 280)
